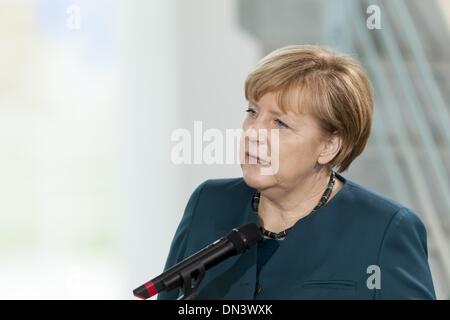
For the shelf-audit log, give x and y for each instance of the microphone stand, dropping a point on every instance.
(192, 276)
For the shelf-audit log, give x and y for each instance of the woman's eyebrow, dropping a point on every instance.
(253, 103)
(293, 119)
(273, 111)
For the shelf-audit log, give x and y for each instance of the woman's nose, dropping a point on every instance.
(257, 134)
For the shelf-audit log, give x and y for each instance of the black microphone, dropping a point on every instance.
(236, 242)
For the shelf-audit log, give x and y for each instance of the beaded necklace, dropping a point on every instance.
(280, 235)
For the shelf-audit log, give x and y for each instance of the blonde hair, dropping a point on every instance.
(332, 87)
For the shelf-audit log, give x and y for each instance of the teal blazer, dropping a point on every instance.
(360, 245)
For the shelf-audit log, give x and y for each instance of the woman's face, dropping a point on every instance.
(300, 141)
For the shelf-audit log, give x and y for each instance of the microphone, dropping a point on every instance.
(236, 242)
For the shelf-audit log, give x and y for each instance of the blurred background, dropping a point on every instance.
(91, 91)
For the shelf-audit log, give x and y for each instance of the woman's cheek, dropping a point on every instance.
(246, 123)
(291, 155)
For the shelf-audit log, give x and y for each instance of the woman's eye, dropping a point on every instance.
(281, 124)
(250, 111)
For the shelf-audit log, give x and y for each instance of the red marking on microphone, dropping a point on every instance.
(151, 289)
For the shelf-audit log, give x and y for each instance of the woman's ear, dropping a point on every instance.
(330, 148)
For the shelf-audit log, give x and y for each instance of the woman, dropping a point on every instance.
(325, 236)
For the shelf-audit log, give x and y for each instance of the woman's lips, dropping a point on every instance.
(257, 159)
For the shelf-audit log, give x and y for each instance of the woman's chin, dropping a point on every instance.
(254, 178)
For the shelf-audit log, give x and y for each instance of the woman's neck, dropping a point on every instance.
(280, 208)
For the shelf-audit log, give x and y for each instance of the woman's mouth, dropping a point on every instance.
(252, 159)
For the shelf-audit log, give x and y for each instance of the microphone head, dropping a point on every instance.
(241, 238)
(245, 236)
